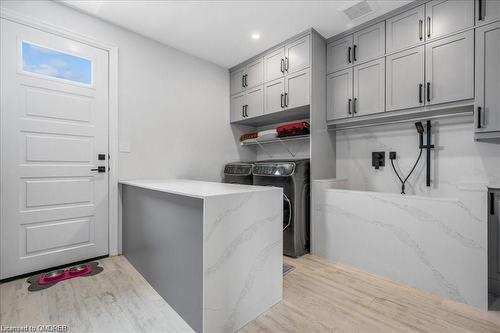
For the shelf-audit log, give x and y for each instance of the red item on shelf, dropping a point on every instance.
(299, 128)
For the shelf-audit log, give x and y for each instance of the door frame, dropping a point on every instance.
(114, 242)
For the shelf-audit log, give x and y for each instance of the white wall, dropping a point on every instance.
(457, 157)
(173, 107)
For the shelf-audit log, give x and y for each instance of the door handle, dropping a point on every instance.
(245, 84)
(243, 81)
(420, 29)
(480, 10)
(420, 86)
(349, 102)
(428, 91)
(492, 203)
(286, 63)
(479, 117)
(354, 106)
(246, 110)
(99, 169)
(349, 54)
(286, 100)
(354, 52)
(428, 26)
(282, 65)
(282, 101)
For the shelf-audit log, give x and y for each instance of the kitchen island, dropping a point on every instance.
(213, 251)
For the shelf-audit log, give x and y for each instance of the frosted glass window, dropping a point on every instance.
(43, 61)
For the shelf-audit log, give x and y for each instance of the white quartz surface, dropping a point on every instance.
(194, 188)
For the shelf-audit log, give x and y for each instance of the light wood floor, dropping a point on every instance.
(318, 297)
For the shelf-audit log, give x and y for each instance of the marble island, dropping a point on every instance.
(213, 251)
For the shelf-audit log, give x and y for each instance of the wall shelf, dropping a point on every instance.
(283, 141)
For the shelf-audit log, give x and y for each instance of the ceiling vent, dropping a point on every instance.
(360, 9)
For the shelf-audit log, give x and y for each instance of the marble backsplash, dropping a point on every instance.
(456, 159)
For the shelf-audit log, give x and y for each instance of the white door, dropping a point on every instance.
(236, 81)
(369, 88)
(54, 123)
(339, 94)
(274, 64)
(237, 107)
(274, 93)
(405, 79)
(369, 43)
(448, 16)
(449, 69)
(254, 102)
(254, 73)
(405, 30)
(297, 55)
(488, 78)
(297, 89)
(487, 11)
(339, 54)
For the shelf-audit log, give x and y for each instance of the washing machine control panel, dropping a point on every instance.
(273, 169)
(238, 169)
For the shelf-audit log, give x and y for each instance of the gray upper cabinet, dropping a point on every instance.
(254, 73)
(369, 43)
(338, 54)
(274, 94)
(449, 69)
(236, 107)
(339, 94)
(274, 64)
(237, 83)
(297, 87)
(369, 88)
(405, 30)
(487, 11)
(405, 79)
(487, 108)
(254, 102)
(447, 16)
(297, 55)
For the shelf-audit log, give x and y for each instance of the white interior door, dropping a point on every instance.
(54, 123)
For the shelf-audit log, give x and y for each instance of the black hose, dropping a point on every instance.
(411, 171)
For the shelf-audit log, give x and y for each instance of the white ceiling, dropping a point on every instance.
(220, 31)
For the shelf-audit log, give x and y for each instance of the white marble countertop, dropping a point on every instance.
(194, 188)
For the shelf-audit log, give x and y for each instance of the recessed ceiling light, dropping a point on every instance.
(255, 36)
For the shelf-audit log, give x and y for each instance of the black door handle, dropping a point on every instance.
(286, 100)
(420, 29)
(428, 26)
(354, 52)
(354, 106)
(282, 101)
(99, 169)
(243, 81)
(492, 203)
(420, 86)
(286, 64)
(282, 65)
(480, 10)
(349, 102)
(349, 54)
(479, 117)
(428, 91)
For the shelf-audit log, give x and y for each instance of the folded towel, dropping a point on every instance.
(268, 134)
(247, 136)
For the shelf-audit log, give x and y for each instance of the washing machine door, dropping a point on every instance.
(287, 212)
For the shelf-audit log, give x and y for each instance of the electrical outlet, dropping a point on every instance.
(392, 155)
(378, 159)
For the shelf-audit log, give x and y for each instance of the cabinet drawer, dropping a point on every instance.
(405, 30)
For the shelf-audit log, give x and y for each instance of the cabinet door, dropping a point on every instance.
(274, 92)
(274, 63)
(369, 43)
(297, 89)
(254, 102)
(255, 73)
(448, 16)
(494, 241)
(298, 55)
(488, 78)
(487, 11)
(236, 80)
(405, 79)
(339, 94)
(369, 88)
(449, 69)
(339, 54)
(405, 30)
(236, 107)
